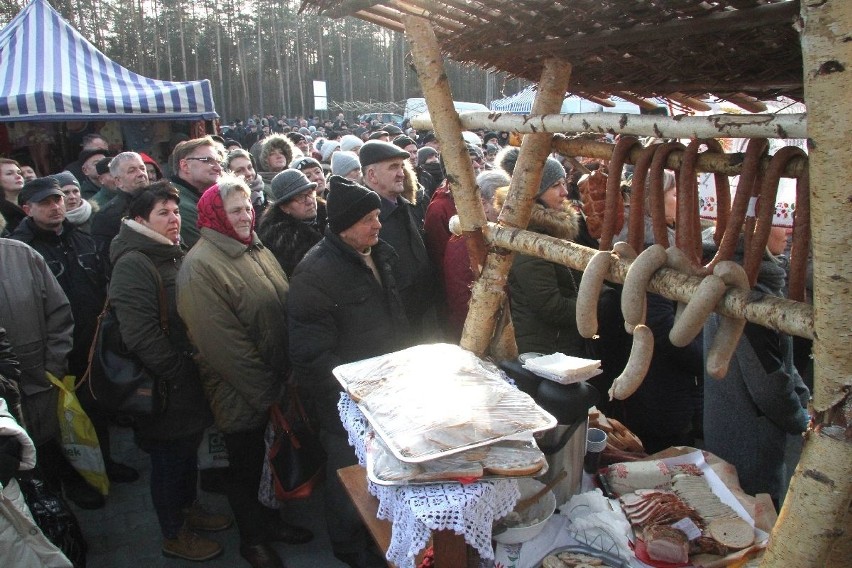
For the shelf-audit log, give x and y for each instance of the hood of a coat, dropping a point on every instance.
(410, 184)
(562, 224)
(133, 236)
(274, 142)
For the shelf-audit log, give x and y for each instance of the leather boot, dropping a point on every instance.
(190, 546)
(198, 518)
(289, 534)
(261, 556)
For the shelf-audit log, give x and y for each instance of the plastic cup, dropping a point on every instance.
(595, 444)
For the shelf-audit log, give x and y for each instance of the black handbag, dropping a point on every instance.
(117, 378)
(55, 519)
(296, 457)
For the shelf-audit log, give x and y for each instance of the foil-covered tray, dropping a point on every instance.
(432, 401)
(383, 468)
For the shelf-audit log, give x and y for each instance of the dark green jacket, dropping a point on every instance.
(134, 294)
(189, 197)
(543, 294)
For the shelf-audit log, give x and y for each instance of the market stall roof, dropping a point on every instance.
(738, 50)
(49, 72)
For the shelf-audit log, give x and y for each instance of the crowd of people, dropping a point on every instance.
(278, 252)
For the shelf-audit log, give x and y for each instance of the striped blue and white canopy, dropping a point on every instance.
(49, 72)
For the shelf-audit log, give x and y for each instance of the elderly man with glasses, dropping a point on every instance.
(197, 164)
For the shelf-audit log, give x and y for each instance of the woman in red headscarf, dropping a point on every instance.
(231, 294)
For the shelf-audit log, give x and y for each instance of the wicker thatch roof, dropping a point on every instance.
(732, 49)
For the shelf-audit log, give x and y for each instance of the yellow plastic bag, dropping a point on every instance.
(79, 440)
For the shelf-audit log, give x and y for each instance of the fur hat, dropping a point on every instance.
(552, 173)
(425, 153)
(376, 151)
(288, 184)
(350, 143)
(270, 143)
(65, 178)
(347, 202)
(344, 162)
(39, 189)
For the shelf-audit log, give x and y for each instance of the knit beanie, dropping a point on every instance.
(348, 202)
(552, 173)
(425, 153)
(65, 178)
(507, 158)
(288, 184)
(344, 162)
(350, 143)
(328, 147)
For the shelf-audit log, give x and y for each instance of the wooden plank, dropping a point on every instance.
(451, 551)
(354, 480)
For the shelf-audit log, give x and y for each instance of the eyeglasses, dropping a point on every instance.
(304, 198)
(206, 159)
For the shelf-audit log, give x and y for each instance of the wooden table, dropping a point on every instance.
(449, 549)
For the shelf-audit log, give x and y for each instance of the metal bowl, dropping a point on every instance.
(540, 511)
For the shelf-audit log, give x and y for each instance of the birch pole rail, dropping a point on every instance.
(711, 126)
(786, 316)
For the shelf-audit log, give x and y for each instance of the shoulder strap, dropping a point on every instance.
(163, 302)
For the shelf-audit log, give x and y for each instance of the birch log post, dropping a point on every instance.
(488, 294)
(813, 517)
(710, 126)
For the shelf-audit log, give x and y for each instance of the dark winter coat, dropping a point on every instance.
(107, 222)
(416, 278)
(189, 196)
(12, 213)
(543, 294)
(339, 313)
(73, 260)
(134, 294)
(749, 414)
(288, 238)
(232, 298)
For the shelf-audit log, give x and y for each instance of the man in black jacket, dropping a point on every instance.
(382, 167)
(343, 306)
(72, 258)
(130, 176)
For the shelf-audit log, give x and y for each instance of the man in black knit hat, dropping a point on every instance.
(343, 306)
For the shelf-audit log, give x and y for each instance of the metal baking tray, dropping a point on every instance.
(610, 559)
(371, 474)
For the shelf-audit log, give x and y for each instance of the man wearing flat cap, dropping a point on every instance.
(295, 221)
(343, 306)
(383, 172)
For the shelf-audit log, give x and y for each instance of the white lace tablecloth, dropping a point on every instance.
(416, 510)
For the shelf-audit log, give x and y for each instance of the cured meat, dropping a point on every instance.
(666, 544)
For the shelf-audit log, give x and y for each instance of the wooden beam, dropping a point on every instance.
(745, 102)
(727, 21)
(644, 104)
(413, 8)
(350, 8)
(710, 126)
(380, 21)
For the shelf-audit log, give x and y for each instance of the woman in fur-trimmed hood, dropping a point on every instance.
(273, 154)
(543, 294)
